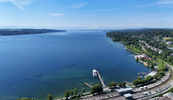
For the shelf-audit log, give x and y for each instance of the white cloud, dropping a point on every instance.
(79, 5)
(108, 9)
(19, 3)
(158, 3)
(55, 14)
(165, 2)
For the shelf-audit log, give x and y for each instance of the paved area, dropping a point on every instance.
(153, 89)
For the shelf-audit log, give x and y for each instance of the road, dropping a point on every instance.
(142, 47)
(156, 89)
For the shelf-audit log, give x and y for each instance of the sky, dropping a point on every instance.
(86, 14)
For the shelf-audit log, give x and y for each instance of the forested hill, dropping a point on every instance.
(26, 31)
(145, 31)
(131, 36)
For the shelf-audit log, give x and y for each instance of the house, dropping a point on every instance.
(139, 56)
(171, 54)
(169, 42)
(151, 73)
(156, 68)
(169, 95)
(160, 52)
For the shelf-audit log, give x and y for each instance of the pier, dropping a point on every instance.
(103, 84)
(87, 85)
(132, 55)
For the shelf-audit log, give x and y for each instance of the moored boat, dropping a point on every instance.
(94, 73)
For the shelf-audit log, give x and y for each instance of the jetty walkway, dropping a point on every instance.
(87, 85)
(103, 84)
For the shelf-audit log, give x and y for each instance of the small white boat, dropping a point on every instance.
(94, 73)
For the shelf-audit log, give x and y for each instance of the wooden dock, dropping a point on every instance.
(103, 84)
(87, 85)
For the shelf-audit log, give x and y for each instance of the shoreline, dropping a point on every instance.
(10, 32)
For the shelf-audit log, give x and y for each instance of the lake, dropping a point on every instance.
(36, 65)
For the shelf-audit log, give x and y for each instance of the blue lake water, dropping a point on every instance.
(24, 57)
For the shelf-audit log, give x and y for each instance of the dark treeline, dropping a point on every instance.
(153, 37)
(26, 31)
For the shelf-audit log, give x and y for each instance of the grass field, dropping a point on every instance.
(167, 38)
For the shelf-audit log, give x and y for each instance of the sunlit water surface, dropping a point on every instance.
(64, 60)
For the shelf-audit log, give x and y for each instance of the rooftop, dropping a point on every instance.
(124, 90)
(127, 95)
(151, 73)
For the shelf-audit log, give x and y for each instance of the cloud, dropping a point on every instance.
(108, 9)
(79, 5)
(55, 14)
(165, 2)
(158, 3)
(17, 5)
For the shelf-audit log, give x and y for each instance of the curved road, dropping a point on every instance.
(138, 95)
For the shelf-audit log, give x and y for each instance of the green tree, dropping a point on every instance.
(170, 58)
(149, 78)
(142, 59)
(71, 92)
(49, 97)
(135, 82)
(137, 59)
(148, 61)
(83, 90)
(139, 78)
(120, 84)
(25, 98)
(124, 84)
(112, 84)
(96, 89)
(75, 91)
(67, 94)
(152, 64)
(154, 57)
(161, 73)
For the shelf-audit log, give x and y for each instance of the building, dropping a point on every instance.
(124, 90)
(156, 67)
(169, 95)
(128, 95)
(151, 73)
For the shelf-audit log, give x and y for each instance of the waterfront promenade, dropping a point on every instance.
(155, 89)
(131, 51)
(99, 76)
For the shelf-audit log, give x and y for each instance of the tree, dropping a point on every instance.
(75, 91)
(124, 84)
(71, 92)
(96, 89)
(148, 78)
(112, 84)
(161, 73)
(137, 59)
(83, 90)
(139, 78)
(142, 58)
(148, 61)
(154, 57)
(135, 82)
(67, 94)
(152, 64)
(49, 97)
(120, 84)
(25, 98)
